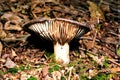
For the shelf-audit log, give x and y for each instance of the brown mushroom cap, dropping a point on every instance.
(57, 30)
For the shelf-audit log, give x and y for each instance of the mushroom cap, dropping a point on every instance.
(57, 30)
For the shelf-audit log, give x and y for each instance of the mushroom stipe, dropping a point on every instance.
(60, 31)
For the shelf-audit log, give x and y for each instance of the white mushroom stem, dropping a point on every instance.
(62, 53)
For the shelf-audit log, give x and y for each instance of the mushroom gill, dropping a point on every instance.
(60, 31)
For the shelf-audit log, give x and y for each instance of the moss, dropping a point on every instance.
(32, 78)
(12, 70)
(101, 76)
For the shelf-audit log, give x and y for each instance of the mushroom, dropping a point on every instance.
(60, 31)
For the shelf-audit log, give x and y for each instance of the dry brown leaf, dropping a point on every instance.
(24, 76)
(115, 70)
(48, 78)
(2, 34)
(9, 16)
(110, 40)
(9, 63)
(1, 25)
(88, 44)
(56, 75)
(1, 47)
(95, 12)
(45, 71)
(100, 60)
(12, 25)
(91, 73)
(13, 54)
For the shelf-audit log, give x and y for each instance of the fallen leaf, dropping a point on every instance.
(88, 44)
(24, 76)
(9, 16)
(1, 47)
(56, 75)
(96, 13)
(13, 54)
(115, 70)
(45, 71)
(109, 40)
(91, 73)
(12, 25)
(2, 32)
(9, 63)
(100, 60)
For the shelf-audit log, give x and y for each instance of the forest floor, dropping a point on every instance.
(97, 56)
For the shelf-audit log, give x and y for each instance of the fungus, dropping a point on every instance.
(60, 31)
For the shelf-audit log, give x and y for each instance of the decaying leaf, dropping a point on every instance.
(2, 32)
(1, 47)
(13, 21)
(24, 76)
(45, 71)
(12, 25)
(96, 13)
(9, 16)
(88, 44)
(56, 75)
(99, 45)
(9, 63)
(99, 60)
(13, 54)
(91, 73)
(110, 40)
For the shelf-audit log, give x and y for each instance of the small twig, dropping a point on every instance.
(70, 69)
(89, 38)
(94, 38)
(113, 61)
(113, 34)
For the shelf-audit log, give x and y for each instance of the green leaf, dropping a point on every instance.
(12, 70)
(118, 51)
(22, 68)
(56, 67)
(50, 70)
(101, 76)
(106, 63)
(32, 78)
(62, 78)
(1, 72)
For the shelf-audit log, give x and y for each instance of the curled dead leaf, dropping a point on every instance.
(13, 21)
(12, 25)
(11, 16)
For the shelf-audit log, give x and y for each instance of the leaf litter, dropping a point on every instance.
(97, 53)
